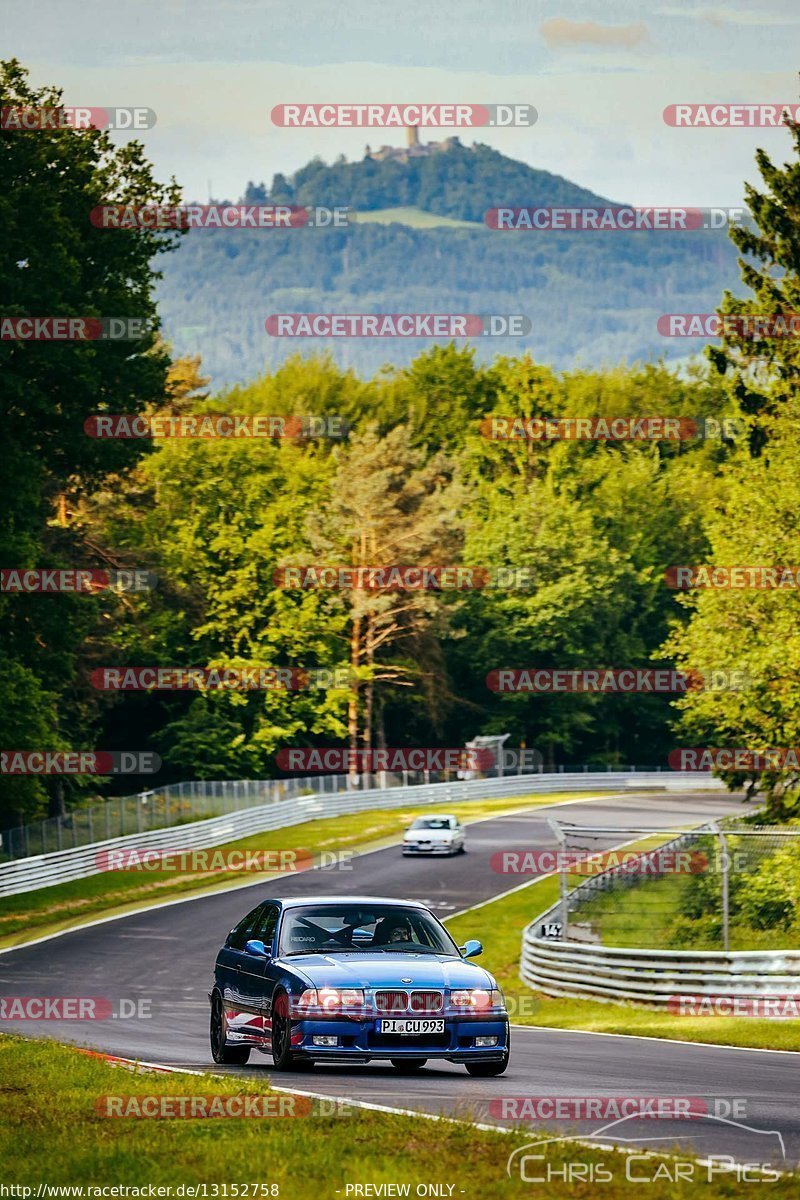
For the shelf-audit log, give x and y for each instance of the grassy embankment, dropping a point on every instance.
(52, 1133)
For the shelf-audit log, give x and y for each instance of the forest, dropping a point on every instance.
(410, 477)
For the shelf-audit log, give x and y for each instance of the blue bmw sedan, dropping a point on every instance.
(316, 979)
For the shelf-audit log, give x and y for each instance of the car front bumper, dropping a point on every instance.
(432, 848)
(361, 1041)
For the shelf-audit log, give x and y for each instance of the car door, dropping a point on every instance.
(229, 958)
(256, 980)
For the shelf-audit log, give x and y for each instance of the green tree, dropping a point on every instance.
(54, 262)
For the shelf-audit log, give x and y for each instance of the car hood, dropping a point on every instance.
(430, 835)
(388, 970)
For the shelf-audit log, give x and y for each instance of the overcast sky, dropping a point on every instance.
(599, 75)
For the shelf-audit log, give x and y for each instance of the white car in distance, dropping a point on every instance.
(434, 835)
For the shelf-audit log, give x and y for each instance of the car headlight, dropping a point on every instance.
(476, 999)
(334, 999)
(329, 999)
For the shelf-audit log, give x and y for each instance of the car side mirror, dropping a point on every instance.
(471, 949)
(257, 948)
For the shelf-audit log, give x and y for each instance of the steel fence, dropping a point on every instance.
(569, 950)
(663, 978)
(44, 870)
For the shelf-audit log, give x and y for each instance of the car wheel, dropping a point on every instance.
(219, 1051)
(485, 1069)
(406, 1065)
(462, 849)
(282, 1056)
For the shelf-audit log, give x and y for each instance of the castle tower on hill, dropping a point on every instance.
(413, 148)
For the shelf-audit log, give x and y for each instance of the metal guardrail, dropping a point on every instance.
(159, 808)
(654, 977)
(660, 978)
(62, 866)
(198, 799)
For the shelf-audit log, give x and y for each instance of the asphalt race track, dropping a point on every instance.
(140, 956)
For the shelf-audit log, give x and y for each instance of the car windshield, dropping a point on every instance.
(349, 928)
(432, 823)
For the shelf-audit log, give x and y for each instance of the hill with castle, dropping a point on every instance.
(443, 178)
(418, 243)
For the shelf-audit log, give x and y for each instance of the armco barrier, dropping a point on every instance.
(23, 875)
(652, 977)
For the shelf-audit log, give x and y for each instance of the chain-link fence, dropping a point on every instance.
(726, 885)
(175, 804)
(178, 803)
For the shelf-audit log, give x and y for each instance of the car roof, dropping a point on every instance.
(294, 901)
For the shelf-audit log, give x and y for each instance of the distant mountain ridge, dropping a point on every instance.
(454, 181)
(593, 298)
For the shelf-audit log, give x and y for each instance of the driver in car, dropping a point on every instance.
(392, 930)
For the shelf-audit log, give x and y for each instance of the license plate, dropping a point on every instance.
(412, 1027)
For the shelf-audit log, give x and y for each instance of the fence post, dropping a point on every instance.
(723, 845)
(561, 838)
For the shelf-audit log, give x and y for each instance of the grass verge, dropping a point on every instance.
(499, 926)
(52, 1133)
(113, 893)
(417, 218)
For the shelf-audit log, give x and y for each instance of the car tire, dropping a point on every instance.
(282, 1057)
(221, 1053)
(407, 1065)
(484, 1070)
(462, 849)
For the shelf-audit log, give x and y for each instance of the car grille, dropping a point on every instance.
(426, 1002)
(391, 1002)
